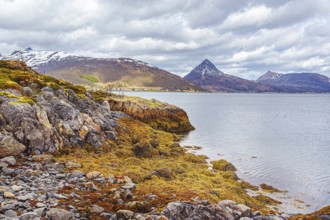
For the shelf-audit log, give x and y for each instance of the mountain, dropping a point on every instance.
(297, 82)
(101, 72)
(207, 76)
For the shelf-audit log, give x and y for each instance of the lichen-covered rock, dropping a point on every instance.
(156, 114)
(55, 120)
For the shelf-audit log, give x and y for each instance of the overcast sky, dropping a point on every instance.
(242, 37)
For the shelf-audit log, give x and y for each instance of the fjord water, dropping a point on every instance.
(279, 139)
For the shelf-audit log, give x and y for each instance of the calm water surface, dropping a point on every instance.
(279, 139)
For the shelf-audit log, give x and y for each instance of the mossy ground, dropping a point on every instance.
(169, 172)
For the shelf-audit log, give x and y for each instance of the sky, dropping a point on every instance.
(241, 37)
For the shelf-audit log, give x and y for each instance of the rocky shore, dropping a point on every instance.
(66, 153)
(37, 188)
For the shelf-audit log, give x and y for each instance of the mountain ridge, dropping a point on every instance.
(119, 73)
(297, 82)
(209, 77)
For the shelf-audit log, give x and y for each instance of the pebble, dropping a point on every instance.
(9, 195)
(16, 188)
(9, 160)
(96, 209)
(94, 175)
(72, 165)
(128, 186)
(77, 173)
(3, 164)
(25, 197)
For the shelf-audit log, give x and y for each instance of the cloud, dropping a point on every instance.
(243, 38)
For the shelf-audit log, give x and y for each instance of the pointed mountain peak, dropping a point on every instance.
(269, 75)
(206, 68)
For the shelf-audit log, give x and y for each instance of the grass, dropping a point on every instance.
(16, 75)
(168, 171)
(90, 78)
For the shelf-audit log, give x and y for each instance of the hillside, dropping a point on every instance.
(121, 73)
(297, 82)
(207, 76)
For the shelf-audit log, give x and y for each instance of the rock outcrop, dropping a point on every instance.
(161, 116)
(36, 118)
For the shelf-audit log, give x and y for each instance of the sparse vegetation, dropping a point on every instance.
(90, 78)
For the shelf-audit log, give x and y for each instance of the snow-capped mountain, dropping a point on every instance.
(207, 76)
(206, 68)
(127, 72)
(36, 58)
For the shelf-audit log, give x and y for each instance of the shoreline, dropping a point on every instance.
(108, 164)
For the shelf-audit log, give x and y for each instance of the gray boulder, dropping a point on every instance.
(59, 214)
(185, 210)
(9, 146)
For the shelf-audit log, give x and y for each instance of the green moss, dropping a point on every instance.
(23, 99)
(90, 78)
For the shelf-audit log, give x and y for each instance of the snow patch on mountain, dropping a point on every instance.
(35, 59)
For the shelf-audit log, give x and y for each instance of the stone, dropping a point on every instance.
(246, 218)
(9, 195)
(127, 179)
(111, 178)
(9, 146)
(3, 165)
(59, 214)
(59, 196)
(94, 175)
(60, 175)
(7, 170)
(277, 218)
(28, 216)
(185, 210)
(128, 186)
(47, 158)
(242, 210)
(4, 189)
(40, 211)
(26, 197)
(16, 188)
(72, 165)
(96, 209)
(106, 215)
(227, 203)
(40, 205)
(10, 214)
(124, 214)
(9, 160)
(77, 173)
